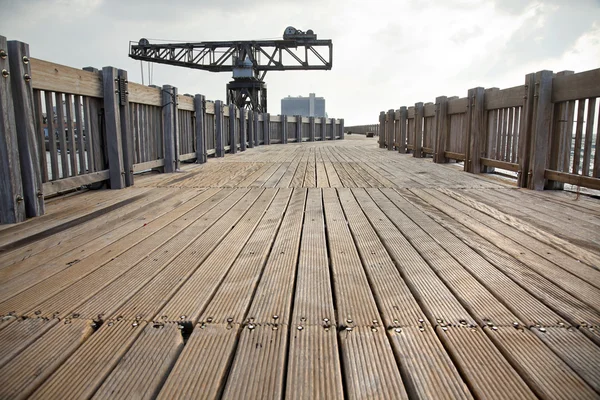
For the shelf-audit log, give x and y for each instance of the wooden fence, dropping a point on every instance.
(63, 128)
(363, 129)
(547, 130)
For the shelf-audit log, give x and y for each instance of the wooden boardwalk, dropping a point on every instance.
(320, 270)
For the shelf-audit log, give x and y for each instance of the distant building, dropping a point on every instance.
(310, 106)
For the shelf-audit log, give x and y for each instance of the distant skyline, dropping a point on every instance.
(385, 54)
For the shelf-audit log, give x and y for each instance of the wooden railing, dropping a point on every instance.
(63, 128)
(547, 130)
(363, 129)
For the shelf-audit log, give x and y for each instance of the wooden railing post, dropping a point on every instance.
(251, 128)
(126, 130)
(298, 128)
(390, 140)
(323, 129)
(441, 129)
(112, 120)
(341, 128)
(418, 133)
(560, 142)
(525, 131)
(200, 114)
(267, 128)
(402, 121)
(243, 125)
(284, 130)
(12, 206)
(382, 129)
(541, 133)
(232, 116)
(24, 113)
(175, 105)
(170, 149)
(311, 128)
(255, 124)
(220, 142)
(476, 129)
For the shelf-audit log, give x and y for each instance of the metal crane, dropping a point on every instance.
(248, 60)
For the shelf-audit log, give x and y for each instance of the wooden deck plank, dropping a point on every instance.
(259, 344)
(214, 338)
(148, 301)
(24, 373)
(543, 243)
(73, 237)
(524, 350)
(524, 247)
(85, 370)
(410, 333)
(389, 277)
(555, 297)
(31, 293)
(471, 293)
(314, 369)
(77, 243)
(518, 300)
(368, 359)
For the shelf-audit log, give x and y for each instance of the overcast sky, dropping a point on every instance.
(386, 53)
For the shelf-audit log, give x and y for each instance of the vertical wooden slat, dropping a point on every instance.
(589, 133)
(441, 128)
(41, 139)
(244, 128)
(232, 145)
(596, 171)
(578, 137)
(418, 132)
(79, 128)
(476, 132)
(299, 128)
(403, 133)
(515, 136)
(135, 111)
(219, 143)
(381, 129)
(341, 128)
(169, 127)
(200, 114)
(62, 138)
(389, 130)
(24, 113)
(51, 136)
(12, 207)
(492, 128)
(509, 135)
(541, 135)
(525, 130)
(284, 129)
(323, 128)
(98, 134)
(89, 137)
(311, 129)
(113, 129)
(126, 132)
(500, 134)
(267, 128)
(70, 135)
(251, 130)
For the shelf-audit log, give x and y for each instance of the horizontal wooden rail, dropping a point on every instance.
(500, 164)
(572, 179)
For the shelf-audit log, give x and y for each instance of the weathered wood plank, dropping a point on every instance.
(12, 206)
